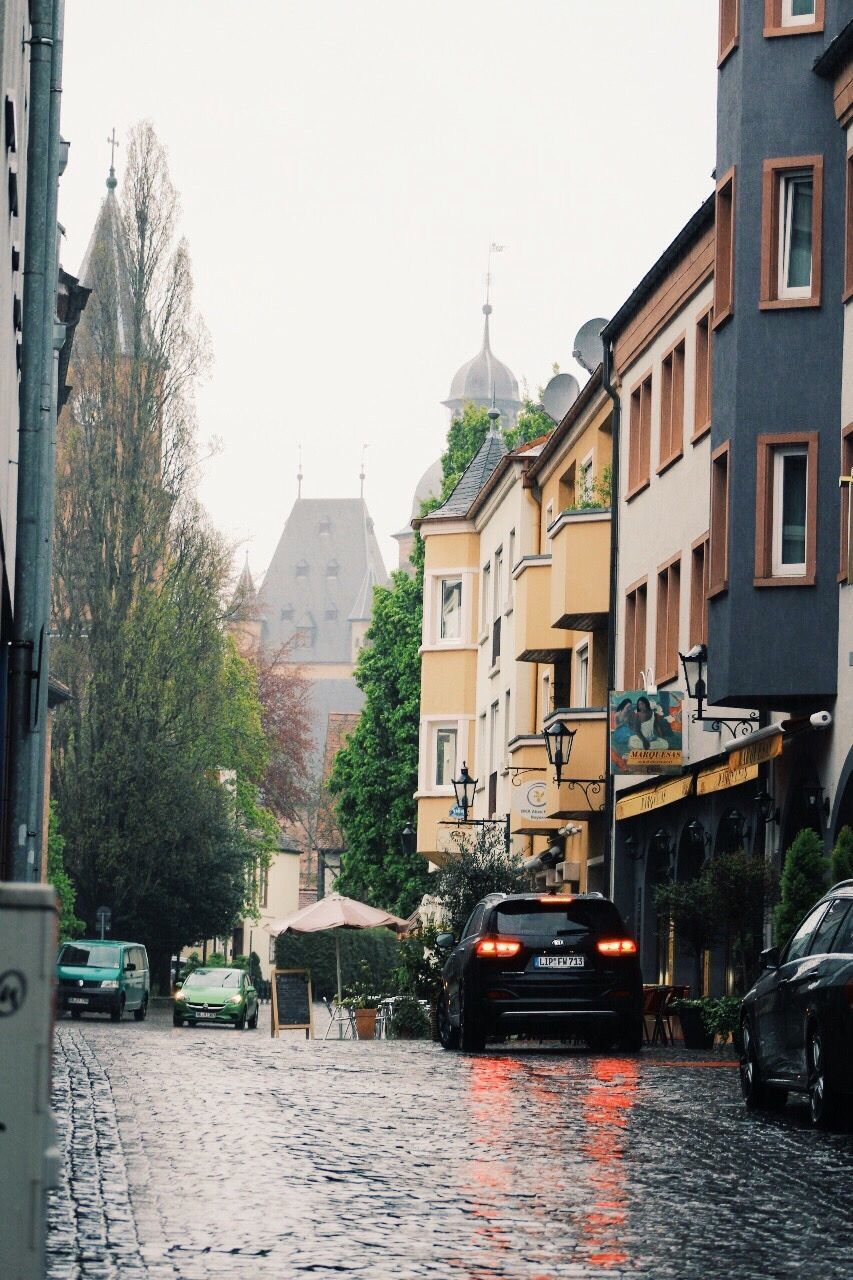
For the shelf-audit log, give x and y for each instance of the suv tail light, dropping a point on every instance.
(503, 947)
(617, 947)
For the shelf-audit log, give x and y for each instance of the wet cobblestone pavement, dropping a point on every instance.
(206, 1153)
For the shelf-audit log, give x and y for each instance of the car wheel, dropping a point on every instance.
(447, 1033)
(116, 1015)
(141, 1013)
(824, 1102)
(240, 1024)
(472, 1035)
(599, 1040)
(630, 1035)
(253, 1023)
(177, 1022)
(757, 1095)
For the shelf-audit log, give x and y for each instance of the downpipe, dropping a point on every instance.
(609, 790)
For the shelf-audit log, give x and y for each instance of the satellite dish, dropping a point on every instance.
(588, 350)
(559, 395)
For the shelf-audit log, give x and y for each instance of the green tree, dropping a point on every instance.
(691, 907)
(533, 423)
(741, 884)
(375, 774)
(842, 856)
(803, 883)
(464, 437)
(70, 925)
(480, 865)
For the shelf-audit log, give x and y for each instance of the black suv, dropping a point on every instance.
(797, 1021)
(544, 965)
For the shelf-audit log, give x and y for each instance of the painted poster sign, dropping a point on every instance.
(531, 803)
(646, 731)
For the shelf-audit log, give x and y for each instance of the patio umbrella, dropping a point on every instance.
(336, 912)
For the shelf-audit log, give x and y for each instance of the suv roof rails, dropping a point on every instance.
(842, 884)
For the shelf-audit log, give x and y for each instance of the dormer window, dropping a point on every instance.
(286, 613)
(302, 569)
(303, 637)
(324, 528)
(332, 569)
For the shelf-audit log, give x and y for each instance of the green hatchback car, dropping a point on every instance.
(224, 996)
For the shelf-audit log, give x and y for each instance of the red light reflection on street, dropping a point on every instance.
(605, 1113)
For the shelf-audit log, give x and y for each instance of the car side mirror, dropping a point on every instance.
(445, 940)
(769, 959)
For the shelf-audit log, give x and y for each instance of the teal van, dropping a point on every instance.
(102, 977)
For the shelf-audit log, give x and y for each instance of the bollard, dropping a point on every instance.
(28, 1157)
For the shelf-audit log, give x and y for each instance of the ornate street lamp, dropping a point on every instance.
(559, 739)
(767, 810)
(697, 833)
(408, 839)
(694, 662)
(815, 799)
(464, 786)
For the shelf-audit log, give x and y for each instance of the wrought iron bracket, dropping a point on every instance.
(738, 726)
(589, 787)
(518, 770)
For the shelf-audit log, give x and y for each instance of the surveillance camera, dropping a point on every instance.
(820, 719)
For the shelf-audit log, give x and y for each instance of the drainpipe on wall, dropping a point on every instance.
(609, 793)
(22, 835)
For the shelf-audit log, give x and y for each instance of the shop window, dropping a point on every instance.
(845, 549)
(718, 550)
(791, 219)
(724, 251)
(702, 389)
(793, 17)
(635, 634)
(786, 515)
(639, 436)
(451, 609)
(668, 609)
(699, 568)
(729, 28)
(671, 444)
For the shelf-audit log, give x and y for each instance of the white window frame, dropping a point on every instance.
(587, 479)
(507, 715)
(441, 580)
(546, 694)
(510, 566)
(582, 657)
(481, 747)
(494, 736)
(486, 587)
(778, 568)
(791, 19)
(786, 209)
(452, 728)
(497, 585)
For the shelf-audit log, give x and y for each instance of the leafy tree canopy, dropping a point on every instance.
(803, 882)
(842, 856)
(479, 866)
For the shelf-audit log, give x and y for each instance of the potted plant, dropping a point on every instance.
(692, 1014)
(410, 1020)
(363, 1002)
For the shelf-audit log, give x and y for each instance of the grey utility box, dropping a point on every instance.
(28, 923)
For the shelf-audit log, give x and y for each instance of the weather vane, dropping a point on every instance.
(362, 473)
(493, 248)
(113, 143)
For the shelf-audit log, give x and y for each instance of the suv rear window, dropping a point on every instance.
(542, 919)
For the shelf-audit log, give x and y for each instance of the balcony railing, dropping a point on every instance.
(580, 573)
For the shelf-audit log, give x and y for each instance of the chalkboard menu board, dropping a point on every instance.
(291, 1000)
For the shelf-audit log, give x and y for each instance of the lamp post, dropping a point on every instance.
(408, 840)
(559, 740)
(465, 786)
(767, 809)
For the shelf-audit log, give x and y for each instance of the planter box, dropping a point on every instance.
(696, 1034)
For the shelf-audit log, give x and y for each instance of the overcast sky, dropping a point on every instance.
(343, 167)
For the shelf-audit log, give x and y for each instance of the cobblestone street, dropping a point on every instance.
(200, 1153)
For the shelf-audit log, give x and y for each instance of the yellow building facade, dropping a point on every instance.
(516, 594)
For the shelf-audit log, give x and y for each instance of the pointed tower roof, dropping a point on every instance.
(484, 379)
(475, 475)
(105, 268)
(244, 600)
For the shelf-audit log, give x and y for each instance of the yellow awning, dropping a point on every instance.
(654, 797)
(757, 752)
(724, 776)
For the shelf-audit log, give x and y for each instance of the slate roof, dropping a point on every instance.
(320, 580)
(473, 478)
(105, 271)
(244, 601)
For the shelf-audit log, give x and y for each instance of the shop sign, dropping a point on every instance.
(719, 779)
(654, 798)
(646, 732)
(757, 752)
(530, 805)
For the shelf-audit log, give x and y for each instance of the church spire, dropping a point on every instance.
(113, 141)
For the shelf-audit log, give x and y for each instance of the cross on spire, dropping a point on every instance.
(113, 143)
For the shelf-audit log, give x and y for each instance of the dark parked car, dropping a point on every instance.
(544, 965)
(797, 1021)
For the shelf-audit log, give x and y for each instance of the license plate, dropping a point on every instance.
(78, 999)
(558, 962)
(204, 1013)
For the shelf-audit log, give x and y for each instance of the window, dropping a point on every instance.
(848, 232)
(718, 547)
(546, 708)
(498, 585)
(475, 920)
(302, 569)
(843, 941)
(635, 634)
(451, 609)
(791, 219)
(549, 515)
(672, 406)
(668, 611)
(582, 696)
(331, 612)
(702, 389)
(699, 566)
(481, 744)
(303, 637)
(507, 710)
(324, 528)
(786, 515)
(510, 566)
(799, 944)
(639, 436)
(845, 546)
(724, 251)
(585, 486)
(286, 613)
(445, 757)
(792, 17)
(264, 886)
(332, 569)
(825, 932)
(729, 28)
(484, 604)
